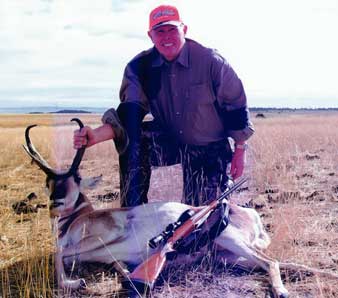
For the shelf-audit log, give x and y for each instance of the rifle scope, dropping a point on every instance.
(170, 229)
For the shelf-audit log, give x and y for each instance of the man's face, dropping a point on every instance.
(169, 40)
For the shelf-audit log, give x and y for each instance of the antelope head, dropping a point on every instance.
(64, 188)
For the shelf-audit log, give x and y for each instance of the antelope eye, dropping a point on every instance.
(77, 179)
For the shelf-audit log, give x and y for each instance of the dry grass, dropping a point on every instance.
(293, 165)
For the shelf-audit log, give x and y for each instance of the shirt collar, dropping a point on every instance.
(183, 57)
(157, 60)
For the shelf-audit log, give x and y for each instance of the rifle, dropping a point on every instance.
(144, 275)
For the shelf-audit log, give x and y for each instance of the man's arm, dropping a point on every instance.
(112, 128)
(232, 109)
(231, 100)
(89, 137)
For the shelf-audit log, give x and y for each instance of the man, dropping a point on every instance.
(197, 102)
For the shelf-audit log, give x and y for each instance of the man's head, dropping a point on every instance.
(167, 31)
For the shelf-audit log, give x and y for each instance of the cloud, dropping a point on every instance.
(279, 49)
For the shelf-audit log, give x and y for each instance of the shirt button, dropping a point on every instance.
(180, 132)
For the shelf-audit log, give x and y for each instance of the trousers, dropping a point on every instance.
(204, 167)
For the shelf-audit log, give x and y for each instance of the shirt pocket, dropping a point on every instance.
(199, 95)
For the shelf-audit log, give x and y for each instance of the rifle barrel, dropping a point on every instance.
(229, 191)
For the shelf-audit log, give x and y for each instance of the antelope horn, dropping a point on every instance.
(37, 158)
(80, 152)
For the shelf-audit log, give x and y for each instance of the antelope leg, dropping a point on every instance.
(241, 249)
(63, 281)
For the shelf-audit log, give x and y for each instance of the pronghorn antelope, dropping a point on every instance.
(121, 235)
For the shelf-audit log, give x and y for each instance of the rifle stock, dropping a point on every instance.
(148, 271)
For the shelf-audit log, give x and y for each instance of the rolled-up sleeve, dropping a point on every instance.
(121, 139)
(231, 99)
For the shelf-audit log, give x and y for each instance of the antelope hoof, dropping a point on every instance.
(281, 294)
(78, 284)
(82, 284)
(83, 288)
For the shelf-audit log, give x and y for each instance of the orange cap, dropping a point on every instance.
(164, 15)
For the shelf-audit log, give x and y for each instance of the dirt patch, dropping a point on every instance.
(108, 197)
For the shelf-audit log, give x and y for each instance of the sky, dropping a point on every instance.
(73, 52)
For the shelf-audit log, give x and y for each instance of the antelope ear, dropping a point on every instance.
(90, 183)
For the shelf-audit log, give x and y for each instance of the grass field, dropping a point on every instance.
(293, 166)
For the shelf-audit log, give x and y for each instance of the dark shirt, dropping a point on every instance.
(189, 93)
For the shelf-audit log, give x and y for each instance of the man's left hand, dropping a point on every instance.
(238, 163)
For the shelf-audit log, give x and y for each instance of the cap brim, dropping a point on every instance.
(174, 23)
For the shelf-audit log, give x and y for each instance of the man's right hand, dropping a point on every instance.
(84, 137)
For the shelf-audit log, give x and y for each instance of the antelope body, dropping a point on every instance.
(121, 235)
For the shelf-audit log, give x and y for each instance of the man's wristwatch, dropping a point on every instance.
(242, 146)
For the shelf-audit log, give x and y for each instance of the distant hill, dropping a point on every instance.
(71, 112)
(258, 109)
(51, 109)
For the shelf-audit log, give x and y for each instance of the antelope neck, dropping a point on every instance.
(81, 207)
